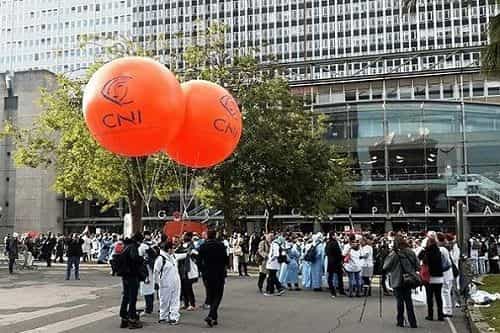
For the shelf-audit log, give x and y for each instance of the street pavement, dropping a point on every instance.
(42, 301)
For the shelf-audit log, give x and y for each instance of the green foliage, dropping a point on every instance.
(60, 139)
(282, 159)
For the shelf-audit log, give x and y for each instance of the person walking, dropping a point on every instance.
(273, 266)
(261, 259)
(13, 251)
(432, 257)
(334, 265)
(213, 261)
(74, 253)
(131, 271)
(402, 260)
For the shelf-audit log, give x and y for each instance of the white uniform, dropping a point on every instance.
(447, 283)
(167, 277)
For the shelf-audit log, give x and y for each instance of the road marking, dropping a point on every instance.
(72, 323)
(452, 326)
(10, 319)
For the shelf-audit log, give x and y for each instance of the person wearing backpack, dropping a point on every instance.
(168, 283)
(131, 268)
(148, 251)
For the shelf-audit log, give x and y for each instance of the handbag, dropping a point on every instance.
(410, 280)
(425, 274)
(193, 273)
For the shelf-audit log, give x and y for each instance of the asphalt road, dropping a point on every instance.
(42, 301)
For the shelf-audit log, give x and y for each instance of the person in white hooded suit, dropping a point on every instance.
(169, 283)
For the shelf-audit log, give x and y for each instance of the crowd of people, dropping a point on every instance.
(341, 263)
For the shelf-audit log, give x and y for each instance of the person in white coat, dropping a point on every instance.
(273, 265)
(168, 283)
(447, 276)
(86, 247)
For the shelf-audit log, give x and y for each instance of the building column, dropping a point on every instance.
(388, 225)
(316, 226)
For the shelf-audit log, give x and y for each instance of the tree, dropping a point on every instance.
(59, 138)
(282, 159)
(490, 60)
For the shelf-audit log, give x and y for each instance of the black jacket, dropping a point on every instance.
(213, 261)
(74, 248)
(133, 260)
(334, 254)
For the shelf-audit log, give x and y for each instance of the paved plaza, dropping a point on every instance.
(42, 301)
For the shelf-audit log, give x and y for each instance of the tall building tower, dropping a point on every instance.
(46, 34)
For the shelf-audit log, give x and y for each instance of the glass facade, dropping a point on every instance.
(416, 158)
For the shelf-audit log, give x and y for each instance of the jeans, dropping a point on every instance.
(272, 281)
(12, 261)
(242, 267)
(73, 261)
(434, 289)
(334, 279)
(215, 290)
(403, 297)
(262, 278)
(149, 299)
(129, 298)
(354, 281)
(187, 293)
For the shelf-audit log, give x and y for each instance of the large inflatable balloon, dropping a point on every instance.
(133, 106)
(212, 128)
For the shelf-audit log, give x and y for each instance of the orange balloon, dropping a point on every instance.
(133, 106)
(212, 128)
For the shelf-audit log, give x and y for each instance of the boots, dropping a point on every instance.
(134, 324)
(124, 323)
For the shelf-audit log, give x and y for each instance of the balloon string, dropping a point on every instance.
(190, 189)
(132, 177)
(142, 182)
(179, 184)
(156, 173)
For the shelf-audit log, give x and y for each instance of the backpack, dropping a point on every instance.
(119, 260)
(310, 255)
(150, 258)
(282, 257)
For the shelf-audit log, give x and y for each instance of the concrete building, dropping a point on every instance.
(46, 34)
(27, 200)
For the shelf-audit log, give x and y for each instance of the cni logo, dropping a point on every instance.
(116, 90)
(230, 105)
